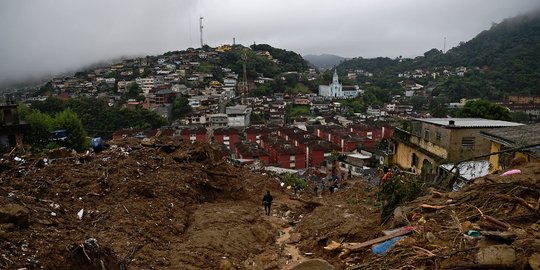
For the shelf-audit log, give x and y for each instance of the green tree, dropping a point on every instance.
(300, 110)
(521, 117)
(291, 179)
(40, 127)
(266, 89)
(68, 120)
(418, 102)
(355, 105)
(51, 105)
(134, 90)
(180, 107)
(300, 88)
(484, 109)
(46, 89)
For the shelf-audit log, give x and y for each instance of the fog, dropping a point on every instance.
(39, 37)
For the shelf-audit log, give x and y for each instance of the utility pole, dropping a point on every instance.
(201, 28)
(444, 47)
(244, 63)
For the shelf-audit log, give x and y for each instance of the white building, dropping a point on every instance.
(151, 82)
(335, 89)
(239, 115)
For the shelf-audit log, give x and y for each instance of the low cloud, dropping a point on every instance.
(50, 36)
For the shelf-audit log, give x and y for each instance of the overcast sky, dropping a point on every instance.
(50, 36)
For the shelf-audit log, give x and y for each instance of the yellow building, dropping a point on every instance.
(430, 142)
(224, 48)
(526, 139)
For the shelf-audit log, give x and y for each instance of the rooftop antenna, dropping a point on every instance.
(444, 47)
(201, 28)
(233, 41)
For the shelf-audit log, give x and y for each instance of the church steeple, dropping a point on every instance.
(335, 77)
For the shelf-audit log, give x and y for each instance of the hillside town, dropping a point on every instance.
(264, 128)
(160, 162)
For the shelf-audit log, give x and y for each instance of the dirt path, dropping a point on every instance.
(290, 250)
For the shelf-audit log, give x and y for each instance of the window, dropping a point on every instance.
(438, 136)
(467, 143)
(370, 135)
(414, 160)
(426, 134)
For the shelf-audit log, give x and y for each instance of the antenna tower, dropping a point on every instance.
(444, 48)
(244, 63)
(201, 28)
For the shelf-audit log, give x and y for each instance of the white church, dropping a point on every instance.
(336, 91)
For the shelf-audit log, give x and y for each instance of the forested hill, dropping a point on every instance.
(324, 61)
(502, 60)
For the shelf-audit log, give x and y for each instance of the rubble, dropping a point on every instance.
(490, 223)
(178, 205)
(165, 205)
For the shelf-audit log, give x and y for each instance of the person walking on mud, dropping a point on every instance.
(267, 202)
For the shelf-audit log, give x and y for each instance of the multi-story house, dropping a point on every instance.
(239, 116)
(431, 142)
(11, 127)
(227, 136)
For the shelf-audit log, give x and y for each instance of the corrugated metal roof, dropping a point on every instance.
(517, 136)
(468, 122)
(359, 156)
(524, 135)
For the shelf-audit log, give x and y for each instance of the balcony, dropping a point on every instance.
(402, 135)
(422, 145)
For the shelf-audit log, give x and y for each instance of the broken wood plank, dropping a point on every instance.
(358, 246)
(504, 236)
(333, 246)
(520, 201)
(437, 194)
(497, 222)
(432, 207)
(392, 231)
(486, 225)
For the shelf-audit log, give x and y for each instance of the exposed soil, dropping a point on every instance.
(146, 209)
(178, 205)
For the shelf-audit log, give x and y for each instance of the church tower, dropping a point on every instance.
(335, 77)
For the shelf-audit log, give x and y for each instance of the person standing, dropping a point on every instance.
(267, 202)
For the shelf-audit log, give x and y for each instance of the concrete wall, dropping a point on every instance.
(448, 144)
(494, 163)
(431, 147)
(403, 158)
(482, 145)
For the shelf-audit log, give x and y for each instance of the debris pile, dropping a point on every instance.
(490, 223)
(151, 205)
(158, 204)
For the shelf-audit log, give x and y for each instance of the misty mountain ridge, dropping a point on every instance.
(35, 80)
(324, 61)
(511, 47)
(497, 62)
